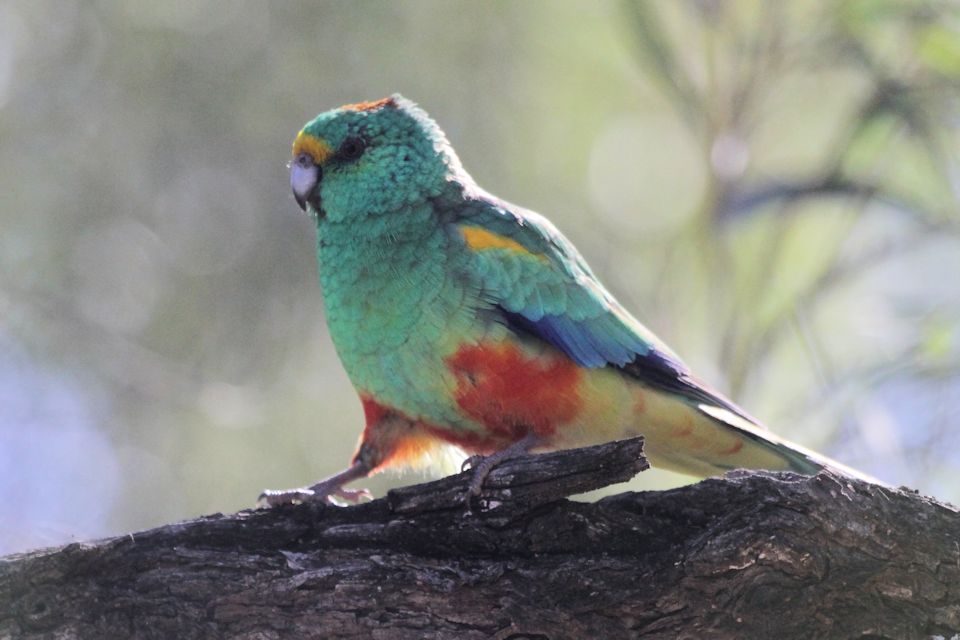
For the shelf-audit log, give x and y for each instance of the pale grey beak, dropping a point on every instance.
(304, 178)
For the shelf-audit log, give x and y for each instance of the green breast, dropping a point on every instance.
(395, 308)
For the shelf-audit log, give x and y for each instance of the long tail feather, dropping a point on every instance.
(798, 458)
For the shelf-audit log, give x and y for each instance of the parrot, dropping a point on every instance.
(463, 320)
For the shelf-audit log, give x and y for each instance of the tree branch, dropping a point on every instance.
(749, 555)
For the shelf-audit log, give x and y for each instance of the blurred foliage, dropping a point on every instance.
(771, 186)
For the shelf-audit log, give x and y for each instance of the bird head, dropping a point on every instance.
(369, 158)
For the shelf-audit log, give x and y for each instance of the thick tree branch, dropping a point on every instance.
(750, 555)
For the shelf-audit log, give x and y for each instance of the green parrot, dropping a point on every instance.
(465, 320)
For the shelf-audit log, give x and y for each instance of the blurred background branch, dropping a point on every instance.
(772, 187)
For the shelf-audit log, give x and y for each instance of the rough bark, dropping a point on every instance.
(750, 555)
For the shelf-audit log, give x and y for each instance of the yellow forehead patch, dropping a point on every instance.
(313, 146)
(479, 239)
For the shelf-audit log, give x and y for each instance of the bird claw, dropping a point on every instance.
(471, 462)
(343, 497)
(272, 498)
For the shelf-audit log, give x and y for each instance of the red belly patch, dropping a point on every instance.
(512, 393)
(391, 438)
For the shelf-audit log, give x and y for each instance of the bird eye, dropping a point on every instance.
(351, 148)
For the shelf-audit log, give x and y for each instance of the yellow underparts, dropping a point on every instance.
(679, 436)
(313, 146)
(479, 239)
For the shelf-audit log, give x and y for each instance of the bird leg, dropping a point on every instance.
(483, 465)
(324, 491)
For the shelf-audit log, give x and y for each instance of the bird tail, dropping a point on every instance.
(795, 457)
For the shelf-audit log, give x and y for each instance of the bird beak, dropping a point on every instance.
(304, 179)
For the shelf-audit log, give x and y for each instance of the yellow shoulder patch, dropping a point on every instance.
(313, 146)
(479, 239)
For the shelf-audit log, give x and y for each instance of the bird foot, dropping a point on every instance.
(329, 491)
(483, 465)
(338, 496)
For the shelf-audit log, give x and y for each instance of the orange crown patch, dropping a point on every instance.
(370, 106)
